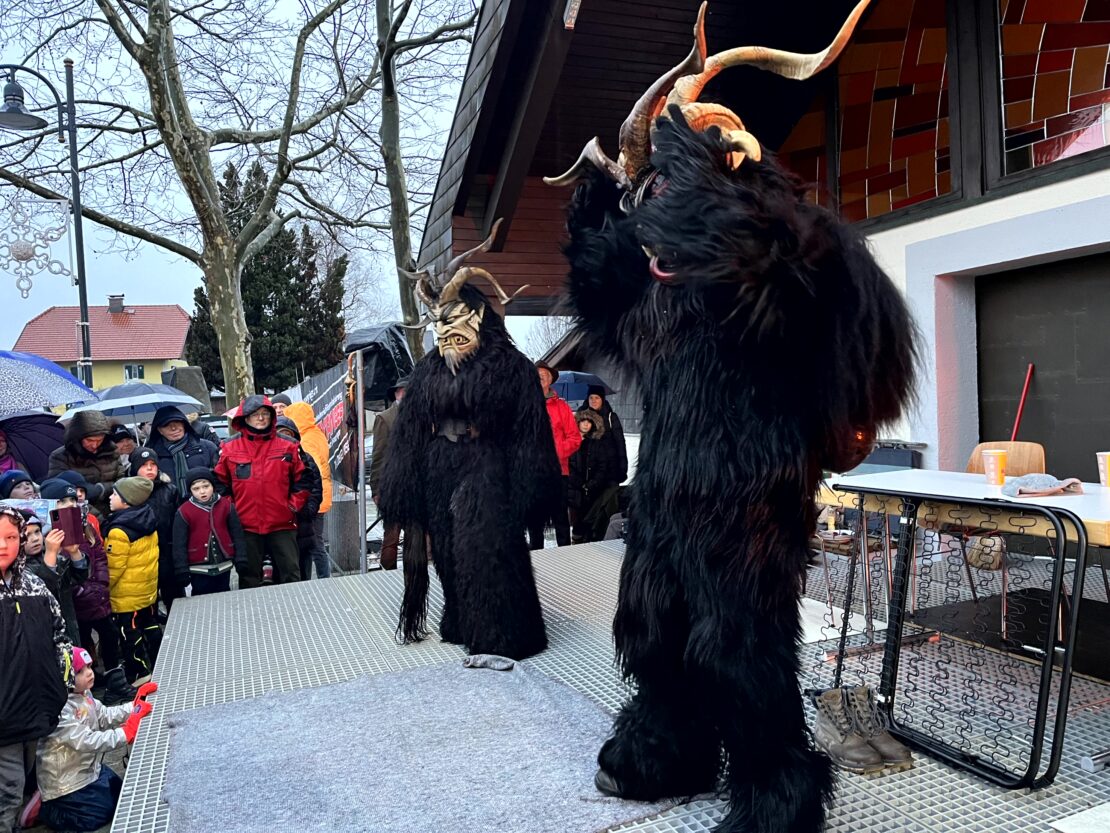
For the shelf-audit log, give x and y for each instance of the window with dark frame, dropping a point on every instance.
(1055, 80)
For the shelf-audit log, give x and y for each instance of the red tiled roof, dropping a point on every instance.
(152, 331)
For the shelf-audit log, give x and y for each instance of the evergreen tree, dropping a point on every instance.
(295, 317)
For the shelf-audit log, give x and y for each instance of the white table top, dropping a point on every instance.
(1092, 505)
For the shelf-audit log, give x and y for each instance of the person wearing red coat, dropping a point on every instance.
(567, 440)
(269, 486)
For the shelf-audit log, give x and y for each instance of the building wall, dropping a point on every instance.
(106, 374)
(935, 262)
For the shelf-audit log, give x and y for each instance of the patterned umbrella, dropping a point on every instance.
(28, 382)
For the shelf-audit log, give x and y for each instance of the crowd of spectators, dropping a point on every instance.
(149, 525)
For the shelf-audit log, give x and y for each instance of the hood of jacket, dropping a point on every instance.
(595, 418)
(301, 413)
(135, 521)
(167, 414)
(249, 406)
(289, 425)
(84, 424)
(15, 572)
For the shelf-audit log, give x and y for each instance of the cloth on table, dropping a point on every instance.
(1041, 485)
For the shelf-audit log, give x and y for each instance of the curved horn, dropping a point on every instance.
(502, 296)
(592, 154)
(742, 143)
(484, 246)
(425, 292)
(635, 134)
(787, 64)
(419, 325)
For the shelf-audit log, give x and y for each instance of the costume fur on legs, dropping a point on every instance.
(471, 453)
(767, 345)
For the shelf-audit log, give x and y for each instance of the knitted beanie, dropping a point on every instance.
(199, 473)
(134, 490)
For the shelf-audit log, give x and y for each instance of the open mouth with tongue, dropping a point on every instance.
(662, 268)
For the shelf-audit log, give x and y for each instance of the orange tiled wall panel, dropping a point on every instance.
(1055, 79)
(894, 143)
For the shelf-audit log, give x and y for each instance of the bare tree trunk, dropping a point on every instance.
(389, 131)
(221, 279)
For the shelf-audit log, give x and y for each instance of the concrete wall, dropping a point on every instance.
(936, 261)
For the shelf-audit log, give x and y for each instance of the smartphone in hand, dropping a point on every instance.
(68, 519)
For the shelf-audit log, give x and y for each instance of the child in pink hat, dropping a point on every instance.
(75, 790)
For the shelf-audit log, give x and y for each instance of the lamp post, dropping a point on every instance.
(14, 116)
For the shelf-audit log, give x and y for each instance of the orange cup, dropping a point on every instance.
(1103, 458)
(994, 464)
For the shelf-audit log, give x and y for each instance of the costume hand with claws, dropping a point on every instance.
(471, 456)
(767, 345)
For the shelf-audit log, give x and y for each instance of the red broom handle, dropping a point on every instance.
(1021, 404)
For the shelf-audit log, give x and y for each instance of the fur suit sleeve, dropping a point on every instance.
(403, 497)
(600, 295)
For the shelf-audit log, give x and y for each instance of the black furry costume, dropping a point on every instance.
(471, 495)
(766, 342)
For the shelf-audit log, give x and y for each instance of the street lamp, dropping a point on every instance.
(14, 116)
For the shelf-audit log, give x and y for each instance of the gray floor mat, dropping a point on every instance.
(444, 748)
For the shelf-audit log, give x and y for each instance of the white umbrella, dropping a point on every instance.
(137, 408)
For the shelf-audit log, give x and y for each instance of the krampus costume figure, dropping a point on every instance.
(472, 452)
(767, 345)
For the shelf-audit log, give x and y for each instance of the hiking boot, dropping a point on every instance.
(116, 688)
(835, 734)
(30, 812)
(874, 724)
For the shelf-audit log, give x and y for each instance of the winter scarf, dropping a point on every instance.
(180, 464)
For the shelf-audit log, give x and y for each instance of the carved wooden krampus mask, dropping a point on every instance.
(457, 324)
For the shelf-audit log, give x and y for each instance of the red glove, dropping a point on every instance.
(131, 727)
(144, 690)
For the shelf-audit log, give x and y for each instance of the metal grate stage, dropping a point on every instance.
(238, 645)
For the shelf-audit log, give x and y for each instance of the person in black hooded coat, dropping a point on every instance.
(613, 434)
(179, 448)
(594, 472)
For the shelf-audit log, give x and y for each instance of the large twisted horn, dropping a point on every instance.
(424, 286)
(592, 155)
(787, 64)
(484, 246)
(635, 133)
(464, 275)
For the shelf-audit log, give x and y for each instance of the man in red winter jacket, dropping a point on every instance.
(269, 485)
(567, 440)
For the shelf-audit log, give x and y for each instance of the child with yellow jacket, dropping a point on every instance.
(131, 539)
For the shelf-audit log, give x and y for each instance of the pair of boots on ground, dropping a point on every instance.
(854, 733)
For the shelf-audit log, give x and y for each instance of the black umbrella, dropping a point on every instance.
(32, 436)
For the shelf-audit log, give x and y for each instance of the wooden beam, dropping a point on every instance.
(535, 101)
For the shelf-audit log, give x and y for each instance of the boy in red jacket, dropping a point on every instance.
(567, 440)
(269, 485)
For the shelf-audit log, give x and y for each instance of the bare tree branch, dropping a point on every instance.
(103, 219)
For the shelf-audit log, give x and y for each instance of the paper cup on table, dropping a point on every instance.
(1103, 467)
(994, 465)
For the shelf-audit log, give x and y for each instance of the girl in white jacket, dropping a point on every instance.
(77, 791)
